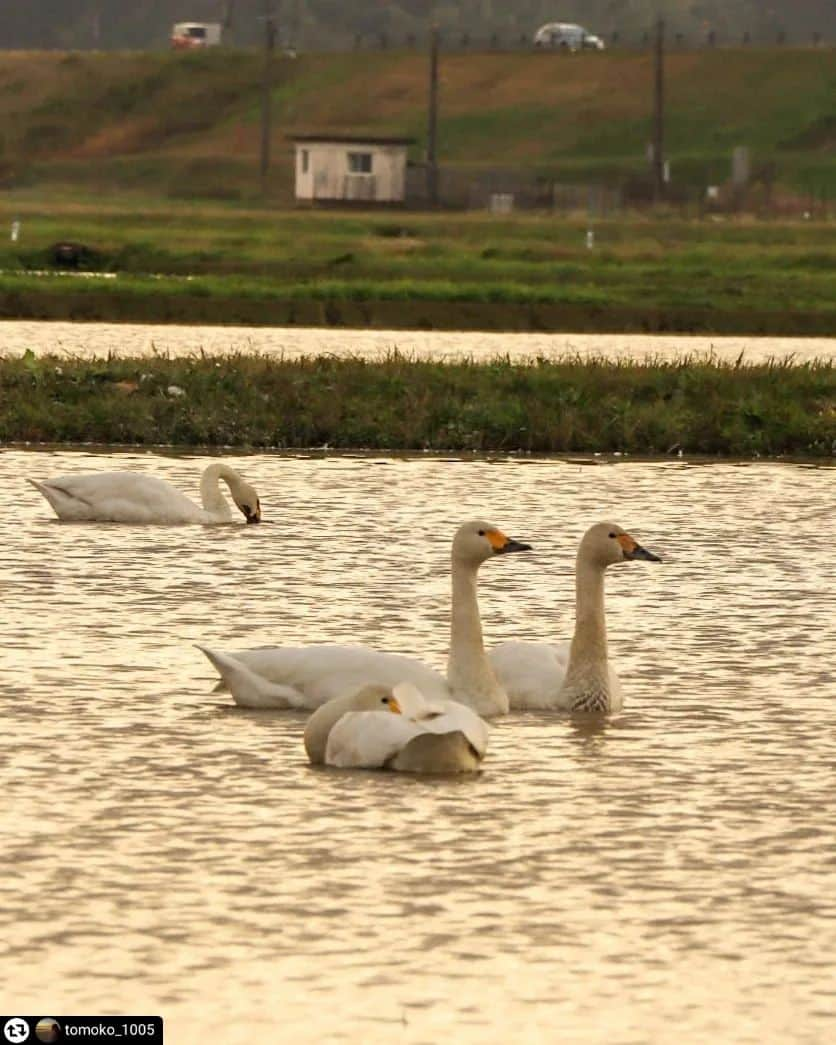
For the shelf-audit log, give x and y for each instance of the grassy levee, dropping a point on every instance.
(700, 407)
(187, 125)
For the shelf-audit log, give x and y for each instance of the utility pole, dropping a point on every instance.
(659, 112)
(432, 121)
(267, 90)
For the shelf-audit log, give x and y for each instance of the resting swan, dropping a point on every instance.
(358, 731)
(130, 497)
(576, 675)
(308, 676)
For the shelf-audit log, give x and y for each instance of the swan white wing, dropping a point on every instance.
(368, 739)
(321, 673)
(128, 497)
(438, 716)
(531, 673)
(458, 718)
(616, 692)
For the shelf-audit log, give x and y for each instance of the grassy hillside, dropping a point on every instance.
(187, 126)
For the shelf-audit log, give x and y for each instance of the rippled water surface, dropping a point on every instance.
(668, 875)
(126, 339)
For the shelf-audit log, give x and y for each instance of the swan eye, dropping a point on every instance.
(613, 536)
(481, 533)
(384, 700)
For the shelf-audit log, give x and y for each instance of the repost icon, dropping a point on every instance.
(16, 1030)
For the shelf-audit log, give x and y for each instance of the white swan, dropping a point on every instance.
(308, 676)
(358, 731)
(576, 675)
(131, 497)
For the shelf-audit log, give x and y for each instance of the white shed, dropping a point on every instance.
(335, 167)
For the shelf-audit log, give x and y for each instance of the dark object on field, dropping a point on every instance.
(67, 255)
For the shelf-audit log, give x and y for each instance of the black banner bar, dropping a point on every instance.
(120, 1030)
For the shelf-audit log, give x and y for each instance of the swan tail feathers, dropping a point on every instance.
(67, 504)
(248, 689)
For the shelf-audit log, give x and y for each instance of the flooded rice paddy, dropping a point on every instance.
(669, 871)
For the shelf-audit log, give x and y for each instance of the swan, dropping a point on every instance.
(576, 675)
(422, 736)
(130, 497)
(308, 676)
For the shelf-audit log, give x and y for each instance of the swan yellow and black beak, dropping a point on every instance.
(502, 545)
(633, 550)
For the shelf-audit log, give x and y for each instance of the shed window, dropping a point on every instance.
(360, 162)
(305, 157)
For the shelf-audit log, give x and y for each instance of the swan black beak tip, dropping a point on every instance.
(642, 553)
(513, 546)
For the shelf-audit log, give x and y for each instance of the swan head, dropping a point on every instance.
(605, 544)
(375, 698)
(247, 500)
(478, 540)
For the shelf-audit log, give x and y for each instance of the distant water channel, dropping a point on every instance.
(667, 875)
(132, 339)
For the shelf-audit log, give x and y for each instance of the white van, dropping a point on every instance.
(567, 36)
(186, 36)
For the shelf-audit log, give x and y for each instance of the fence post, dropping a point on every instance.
(432, 121)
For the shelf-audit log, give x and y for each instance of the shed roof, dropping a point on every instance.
(351, 139)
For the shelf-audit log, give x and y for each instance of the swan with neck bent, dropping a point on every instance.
(131, 497)
(308, 676)
(358, 731)
(576, 675)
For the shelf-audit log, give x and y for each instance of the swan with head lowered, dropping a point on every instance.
(308, 676)
(576, 675)
(398, 728)
(131, 497)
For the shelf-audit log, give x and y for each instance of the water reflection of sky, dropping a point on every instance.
(166, 852)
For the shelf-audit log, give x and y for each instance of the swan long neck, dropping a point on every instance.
(210, 490)
(469, 673)
(590, 636)
(587, 677)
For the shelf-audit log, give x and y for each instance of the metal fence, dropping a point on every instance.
(506, 189)
(503, 190)
(452, 41)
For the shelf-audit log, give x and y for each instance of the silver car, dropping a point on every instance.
(567, 36)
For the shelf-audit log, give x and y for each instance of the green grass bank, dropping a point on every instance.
(698, 407)
(215, 263)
